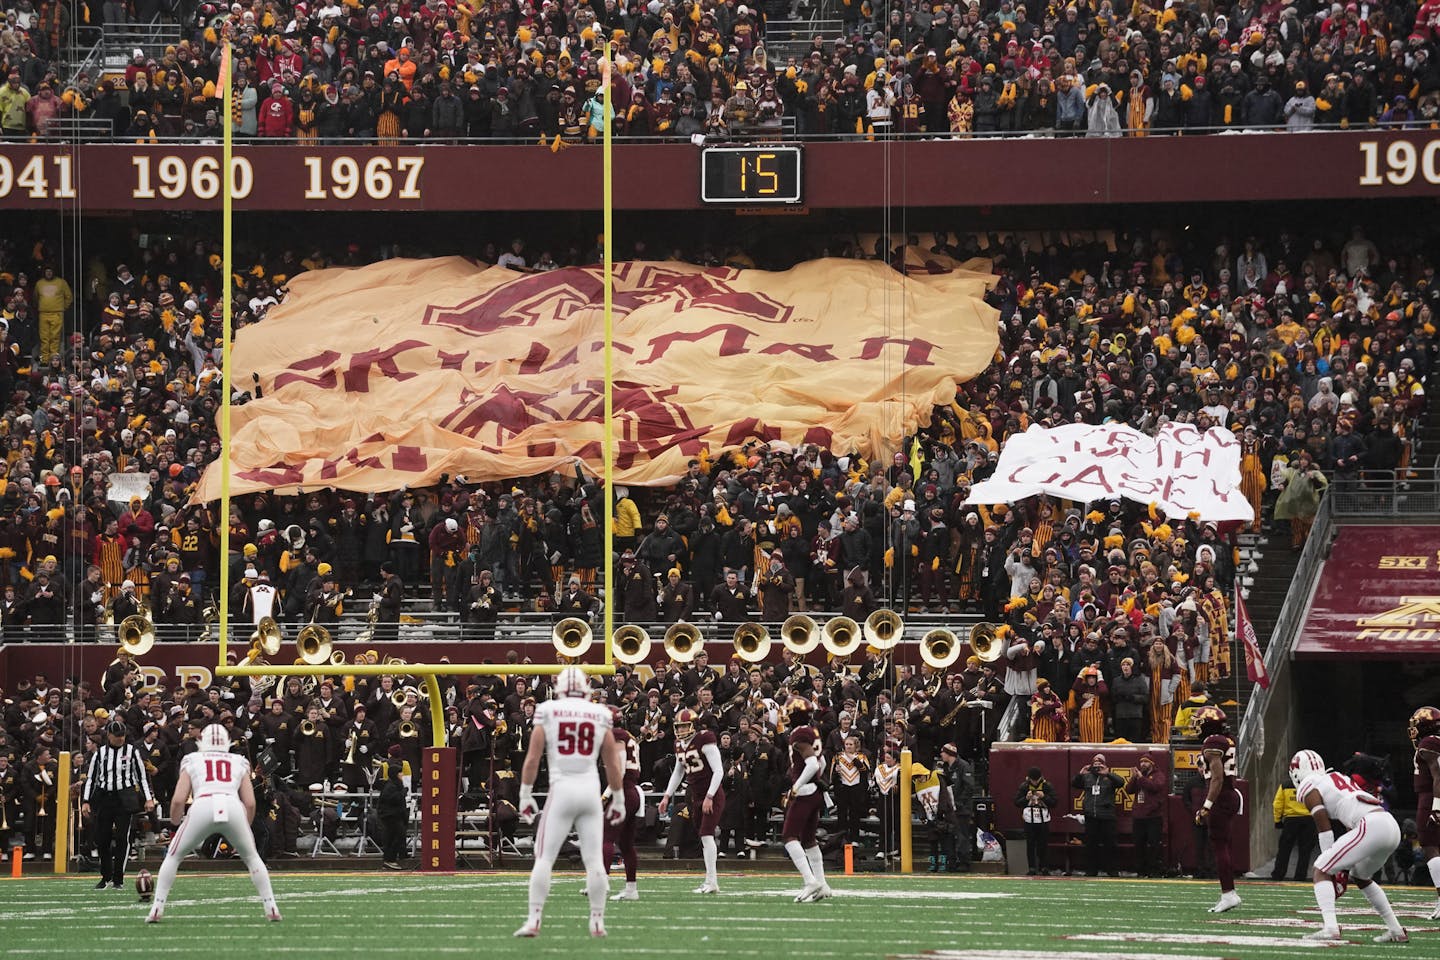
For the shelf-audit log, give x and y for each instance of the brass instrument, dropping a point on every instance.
(267, 637)
(398, 697)
(985, 641)
(337, 658)
(313, 643)
(800, 634)
(572, 637)
(742, 694)
(395, 661)
(631, 644)
(940, 648)
(883, 629)
(371, 618)
(352, 748)
(408, 729)
(209, 615)
(752, 642)
(308, 684)
(308, 728)
(842, 636)
(136, 635)
(683, 642)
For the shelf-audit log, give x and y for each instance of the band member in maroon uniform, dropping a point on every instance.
(1222, 799)
(623, 833)
(806, 801)
(697, 760)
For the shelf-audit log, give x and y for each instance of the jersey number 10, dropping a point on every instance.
(575, 738)
(217, 770)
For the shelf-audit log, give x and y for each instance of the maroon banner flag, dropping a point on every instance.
(1245, 630)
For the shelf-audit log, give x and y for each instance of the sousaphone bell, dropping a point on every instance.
(572, 637)
(883, 629)
(939, 648)
(986, 641)
(267, 637)
(842, 636)
(683, 642)
(313, 644)
(136, 635)
(800, 634)
(631, 644)
(752, 642)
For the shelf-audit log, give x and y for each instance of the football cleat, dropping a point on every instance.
(810, 892)
(707, 888)
(1303, 764)
(531, 928)
(1423, 723)
(154, 915)
(1325, 933)
(1388, 937)
(1229, 900)
(825, 892)
(597, 927)
(626, 895)
(1435, 914)
(272, 913)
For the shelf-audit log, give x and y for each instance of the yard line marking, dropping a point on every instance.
(1239, 940)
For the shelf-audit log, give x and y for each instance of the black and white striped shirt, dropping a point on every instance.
(116, 769)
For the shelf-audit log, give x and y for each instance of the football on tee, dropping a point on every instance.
(144, 885)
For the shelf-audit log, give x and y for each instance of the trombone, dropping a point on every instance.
(631, 644)
(683, 642)
(800, 634)
(572, 637)
(752, 642)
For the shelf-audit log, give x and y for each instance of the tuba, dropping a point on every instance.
(313, 644)
(883, 629)
(136, 635)
(572, 637)
(939, 648)
(267, 637)
(800, 634)
(631, 644)
(752, 642)
(682, 642)
(985, 641)
(841, 636)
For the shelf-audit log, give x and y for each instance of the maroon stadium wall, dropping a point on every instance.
(1254, 167)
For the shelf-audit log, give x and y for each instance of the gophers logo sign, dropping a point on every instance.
(399, 372)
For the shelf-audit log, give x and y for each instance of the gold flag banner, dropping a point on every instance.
(396, 373)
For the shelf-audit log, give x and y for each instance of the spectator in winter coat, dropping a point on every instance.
(1300, 109)
(277, 114)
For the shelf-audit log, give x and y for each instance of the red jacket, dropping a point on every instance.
(276, 117)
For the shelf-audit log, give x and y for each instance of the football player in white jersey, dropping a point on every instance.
(572, 733)
(1373, 835)
(224, 803)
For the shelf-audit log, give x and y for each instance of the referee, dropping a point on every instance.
(114, 787)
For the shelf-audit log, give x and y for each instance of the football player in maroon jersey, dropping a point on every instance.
(1222, 799)
(1425, 737)
(805, 802)
(697, 761)
(623, 833)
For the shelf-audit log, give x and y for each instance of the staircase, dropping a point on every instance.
(1266, 569)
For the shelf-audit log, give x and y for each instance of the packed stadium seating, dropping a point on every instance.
(1312, 350)
(520, 71)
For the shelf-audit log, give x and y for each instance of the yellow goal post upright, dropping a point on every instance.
(428, 671)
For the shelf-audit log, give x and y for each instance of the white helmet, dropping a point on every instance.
(1303, 764)
(214, 739)
(572, 682)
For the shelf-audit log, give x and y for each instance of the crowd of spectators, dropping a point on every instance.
(514, 70)
(1114, 618)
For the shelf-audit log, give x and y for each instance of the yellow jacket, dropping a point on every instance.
(1288, 805)
(627, 518)
(53, 296)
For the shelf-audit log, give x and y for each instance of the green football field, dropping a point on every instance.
(412, 916)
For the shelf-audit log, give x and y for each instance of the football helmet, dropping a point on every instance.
(1209, 720)
(572, 682)
(685, 725)
(214, 739)
(1424, 722)
(1303, 764)
(799, 711)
